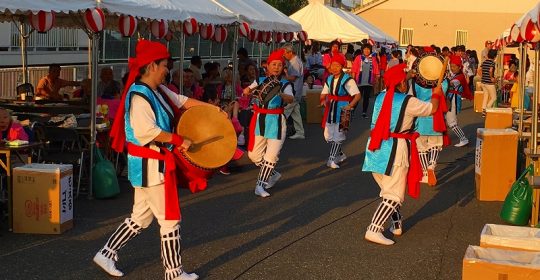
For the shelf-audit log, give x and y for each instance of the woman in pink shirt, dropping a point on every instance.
(365, 70)
(11, 130)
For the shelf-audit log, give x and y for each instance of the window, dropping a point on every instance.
(461, 37)
(406, 37)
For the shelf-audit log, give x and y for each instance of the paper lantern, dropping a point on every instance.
(127, 25)
(302, 36)
(42, 21)
(528, 30)
(243, 29)
(278, 37)
(371, 42)
(159, 28)
(190, 27)
(515, 34)
(94, 19)
(253, 35)
(220, 35)
(264, 36)
(288, 36)
(207, 31)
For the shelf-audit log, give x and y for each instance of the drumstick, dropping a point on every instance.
(443, 71)
(196, 146)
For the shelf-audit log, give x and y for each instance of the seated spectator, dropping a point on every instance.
(49, 86)
(243, 61)
(250, 74)
(212, 75)
(262, 69)
(191, 88)
(195, 67)
(174, 85)
(226, 89)
(107, 87)
(85, 91)
(11, 130)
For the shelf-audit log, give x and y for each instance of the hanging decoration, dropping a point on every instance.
(42, 21)
(220, 35)
(159, 28)
(207, 31)
(190, 27)
(94, 19)
(243, 29)
(127, 25)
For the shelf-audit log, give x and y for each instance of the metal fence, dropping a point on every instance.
(56, 39)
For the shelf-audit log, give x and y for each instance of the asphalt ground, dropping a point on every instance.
(312, 226)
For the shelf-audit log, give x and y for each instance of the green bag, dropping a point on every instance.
(517, 206)
(104, 180)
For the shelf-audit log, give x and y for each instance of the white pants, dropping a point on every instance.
(293, 109)
(451, 115)
(149, 202)
(490, 96)
(426, 142)
(332, 133)
(393, 186)
(268, 149)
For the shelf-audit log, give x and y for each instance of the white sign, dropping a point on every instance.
(478, 156)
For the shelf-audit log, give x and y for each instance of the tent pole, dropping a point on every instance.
(24, 52)
(95, 59)
(521, 92)
(182, 50)
(234, 55)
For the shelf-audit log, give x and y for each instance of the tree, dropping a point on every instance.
(287, 7)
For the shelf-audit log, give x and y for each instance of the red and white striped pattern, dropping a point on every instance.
(371, 42)
(94, 19)
(159, 28)
(288, 36)
(278, 37)
(221, 34)
(207, 31)
(127, 25)
(42, 21)
(243, 29)
(528, 30)
(302, 36)
(265, 36)
(514, 34)
(253, 35)
(190, 27)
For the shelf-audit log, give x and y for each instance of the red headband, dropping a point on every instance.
(455, 59)
(276, 55)
(339, 58)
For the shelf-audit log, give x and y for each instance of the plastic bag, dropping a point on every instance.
(517, 206)
(104, 180)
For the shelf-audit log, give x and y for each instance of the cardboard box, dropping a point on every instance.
(42, 198)
(510, 237)
(314, 112)
(498, 118)
(478, 99)
(489, 263)
(495, 163)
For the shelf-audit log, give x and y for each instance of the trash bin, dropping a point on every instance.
(495, 163)
(498, 118)
(510, 237)
(314, 113)
(478, 99)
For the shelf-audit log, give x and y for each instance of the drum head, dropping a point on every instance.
(212, 135)
(428, 67)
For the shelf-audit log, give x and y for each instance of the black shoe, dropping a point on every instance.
(364, 115)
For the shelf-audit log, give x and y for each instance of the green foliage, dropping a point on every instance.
(287, 7)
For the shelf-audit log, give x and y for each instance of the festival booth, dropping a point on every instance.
(511, 251)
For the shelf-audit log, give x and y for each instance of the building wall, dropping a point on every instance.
(436, 22)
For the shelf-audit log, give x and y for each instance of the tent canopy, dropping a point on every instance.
(324, 23)
(260, 15)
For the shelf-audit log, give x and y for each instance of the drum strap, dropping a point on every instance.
(336, 98)
(257, 111)
(415, 168)
(172, 204)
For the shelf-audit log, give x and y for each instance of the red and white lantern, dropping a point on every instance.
(94, 19)
(42, 21)
(288, 36)
(244, 29)
(207, 31)
(371, 42)
(190, 27)
(302, 36)
(159, 28)
(265, 36)
(508, 40)
(253, 35)
(528, 30)
(220, 35)
(515, 34)
(278, 37)
(127, 25)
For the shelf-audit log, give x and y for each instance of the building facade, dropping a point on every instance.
(444, 22)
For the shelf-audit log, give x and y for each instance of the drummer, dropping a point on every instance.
(147, 111)
(268, 127)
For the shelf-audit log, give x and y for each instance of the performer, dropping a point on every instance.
(340, 93)
(268, 127)
(145, 120)
(432, 129)
(392, 141)
(457, 88)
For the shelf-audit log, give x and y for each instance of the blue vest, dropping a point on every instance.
(137, 166)
(382, 160)
(334, 115)
(269, 125)
(424, 125)
(455, 90)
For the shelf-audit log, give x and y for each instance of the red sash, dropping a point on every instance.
(253, 123)
(415, 169)
(332, 97)
(172, 204)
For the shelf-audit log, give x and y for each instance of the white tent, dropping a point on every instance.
(260, 15)
(324, 23)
